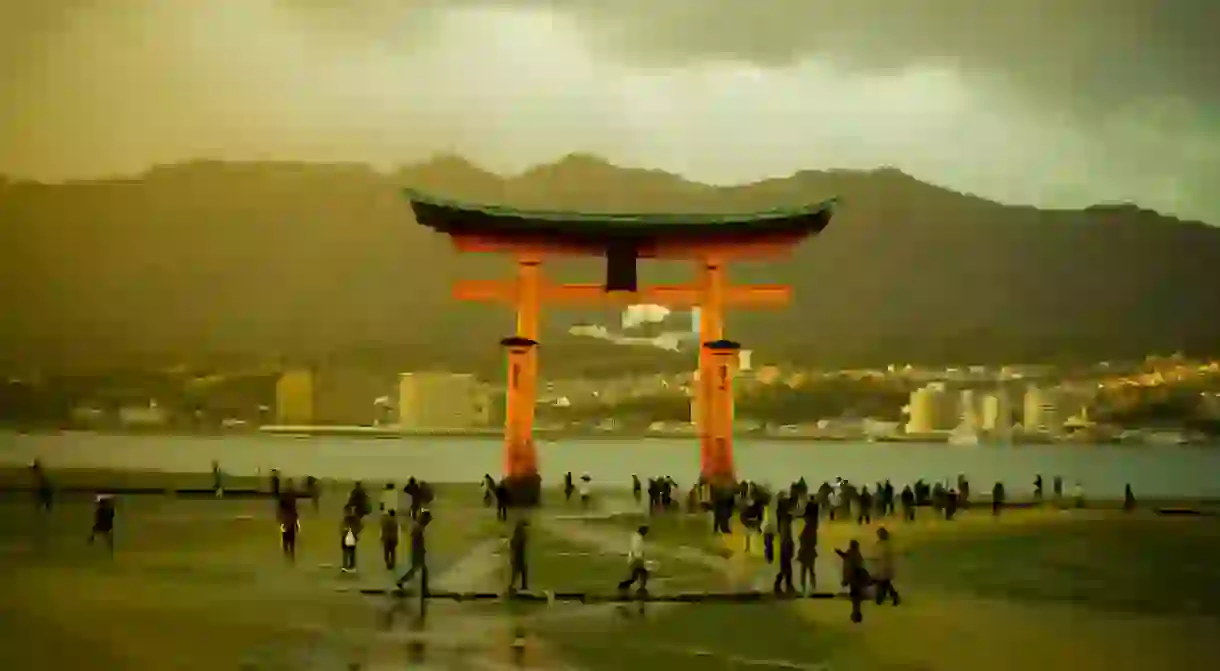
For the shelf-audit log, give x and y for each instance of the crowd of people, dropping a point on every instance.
(767, 517)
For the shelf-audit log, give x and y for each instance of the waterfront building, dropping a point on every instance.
(442, 401)
(997, 413)
(330, 397)
(1047, 409)
(933, 409)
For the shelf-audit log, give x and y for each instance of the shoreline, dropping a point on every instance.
(192, 484)
(545, 434)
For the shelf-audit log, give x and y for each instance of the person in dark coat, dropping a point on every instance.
(888, 499)
(1128, 498)
(807, 553)
(516, 556)
(44, 493)
(855, 578)
(358, 500)
(865, 514)
(419, 553)
(568, 486)
(349, 538)
(963, 492)
(275, 483)
(950, 504)
(411, 489)
(502, 500)
(997, 498)
(1038, 488)
(908, 504)
(787, 553)
(103, 520)
(389, 539)
(290, 524)
(313, 491)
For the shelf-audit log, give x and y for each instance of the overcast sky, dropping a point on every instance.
(1050, 102)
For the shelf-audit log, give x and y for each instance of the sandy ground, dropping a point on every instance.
(199, 584)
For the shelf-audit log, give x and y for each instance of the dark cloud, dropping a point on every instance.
(1059, 102)
(1094, 53)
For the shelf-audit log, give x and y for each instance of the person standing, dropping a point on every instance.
(883, 568)
(787, 553)
(997, 498)
(389, 537)
(908, 504)
(1128, 498)
(865, 513)
(807, 553)
(313, 491)
(568, 487)
(103, 520)
(349, 537)
(502, 501)
(637, 568)
(586, 491)
(217, 479)
(516, 557)
(44, 493)
(637, 490)
(489, 490)
(290, 525)
(1078, 494)
(768, 533)
(1038, 488)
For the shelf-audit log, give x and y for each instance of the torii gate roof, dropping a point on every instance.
(468, 219)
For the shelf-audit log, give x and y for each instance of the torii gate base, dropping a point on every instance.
(522, 481)
(716, 439)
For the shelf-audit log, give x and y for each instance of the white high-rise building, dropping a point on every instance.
(997, 413)
(932, 409)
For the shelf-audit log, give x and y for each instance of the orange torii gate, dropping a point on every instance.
(712, 241)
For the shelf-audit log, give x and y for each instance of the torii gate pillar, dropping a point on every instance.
(521, 476)
(717, 424)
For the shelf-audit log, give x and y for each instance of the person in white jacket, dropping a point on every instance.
(637, 566)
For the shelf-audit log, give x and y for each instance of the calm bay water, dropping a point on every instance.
(1102, 470)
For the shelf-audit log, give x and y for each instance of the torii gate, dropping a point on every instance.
(712, 241)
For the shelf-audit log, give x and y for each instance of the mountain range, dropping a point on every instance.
(212, 262)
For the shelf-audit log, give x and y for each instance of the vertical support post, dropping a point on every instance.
(718, 467)
(529, 308)
(711, 329)
(521, 476)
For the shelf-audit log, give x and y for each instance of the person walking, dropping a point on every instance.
(349, 537)
(389, 538)
(883, 569)
(637, 567)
